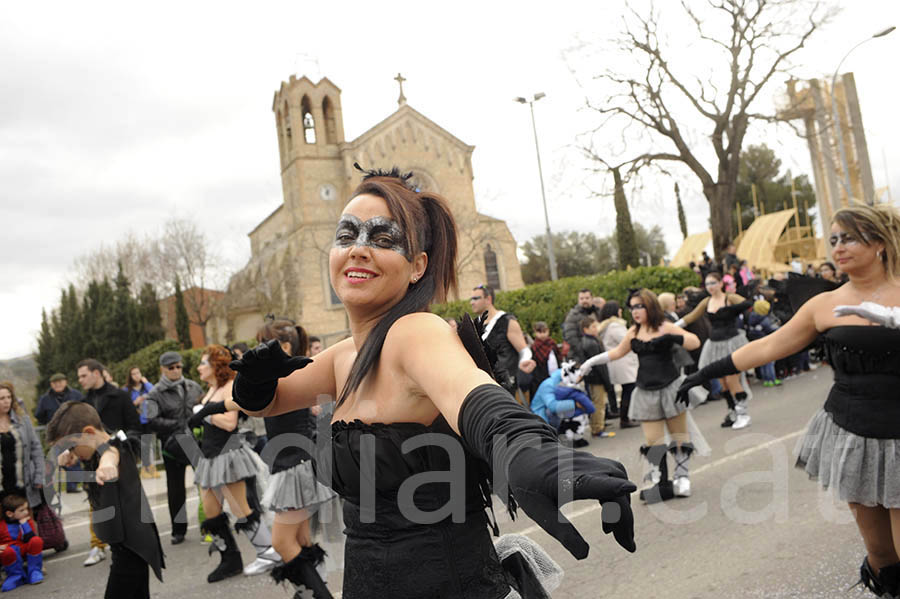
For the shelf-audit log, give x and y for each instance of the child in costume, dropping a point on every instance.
(563, 405)
(120, 515)
(20, 547)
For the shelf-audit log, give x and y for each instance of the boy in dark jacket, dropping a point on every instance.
(595, 381)
(121, 515)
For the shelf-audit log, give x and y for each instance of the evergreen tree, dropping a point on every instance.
(68, 332)
(149, 322)
(120, 341)
(182, 323)
(44, 358)
(682, 221)
(628, 251)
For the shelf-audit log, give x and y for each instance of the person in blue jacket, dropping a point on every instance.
(557, 399)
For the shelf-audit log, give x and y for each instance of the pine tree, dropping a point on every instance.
(120, 324)
(682, 221)
(149, 322)
(628, 251)
(69, 332)
(182, 323)
(44, 358)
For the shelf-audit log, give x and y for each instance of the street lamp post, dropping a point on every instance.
(837, 120)
(550, 255)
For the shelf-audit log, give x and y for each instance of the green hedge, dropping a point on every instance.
(552, 300)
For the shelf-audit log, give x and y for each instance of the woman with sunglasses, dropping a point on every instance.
(725, 336)
(852, 445)
(414, 407)
(653, 403)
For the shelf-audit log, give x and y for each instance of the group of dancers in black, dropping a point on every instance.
(415, 400)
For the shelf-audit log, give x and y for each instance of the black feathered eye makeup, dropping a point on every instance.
(378, 233)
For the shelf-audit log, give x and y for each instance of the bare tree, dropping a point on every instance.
(656, 103)
(184, 250)
(136, 255)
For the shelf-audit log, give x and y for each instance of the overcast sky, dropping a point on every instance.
(116, 117)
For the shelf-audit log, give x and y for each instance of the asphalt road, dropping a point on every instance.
(755, 526)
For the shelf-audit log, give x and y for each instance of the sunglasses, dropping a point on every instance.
(844, 238)
(174, 367)
(634, 307)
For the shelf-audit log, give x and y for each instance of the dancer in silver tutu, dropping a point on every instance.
(226, 462)
(852, 445)
(725, 337)
(653, 403)
(294, 493)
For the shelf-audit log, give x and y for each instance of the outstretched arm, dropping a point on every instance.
(694, 314)
(797, 334)
(508, 437)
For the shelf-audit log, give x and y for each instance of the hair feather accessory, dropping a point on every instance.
(394, 173)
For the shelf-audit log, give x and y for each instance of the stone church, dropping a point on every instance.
(288, 269)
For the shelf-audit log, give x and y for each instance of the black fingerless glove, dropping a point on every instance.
(258, 374)
(520, 445)
(716, 370)
(213, 407)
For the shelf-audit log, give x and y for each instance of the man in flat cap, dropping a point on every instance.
(169, 405)
(59, 393)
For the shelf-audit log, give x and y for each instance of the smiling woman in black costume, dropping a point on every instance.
(852, 445)
(404, 372)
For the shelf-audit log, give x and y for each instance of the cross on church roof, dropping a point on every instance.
(400, 79)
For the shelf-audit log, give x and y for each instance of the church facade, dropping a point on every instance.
(287, 274)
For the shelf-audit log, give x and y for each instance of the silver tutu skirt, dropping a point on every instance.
(658, 404)
(856, 469)
(295, 488)
(227, 467)
(716, 350)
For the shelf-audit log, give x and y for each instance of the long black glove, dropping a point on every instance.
(258, 374)
(715, 370)
(536, 465)
(213, 407)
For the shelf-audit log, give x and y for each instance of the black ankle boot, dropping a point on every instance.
(729, 417)
(223, 541)
(662, 490)
(889, 576)
(624, 420)
(301, 571)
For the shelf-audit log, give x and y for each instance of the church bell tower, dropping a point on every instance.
(310, 130)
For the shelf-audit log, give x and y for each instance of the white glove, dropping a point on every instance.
(598, 360)
(883, 315)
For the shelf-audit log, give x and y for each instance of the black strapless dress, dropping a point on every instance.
(658, 379)
(852, 445)
(405, 537)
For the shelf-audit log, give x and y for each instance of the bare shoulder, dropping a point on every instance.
(419, 329)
